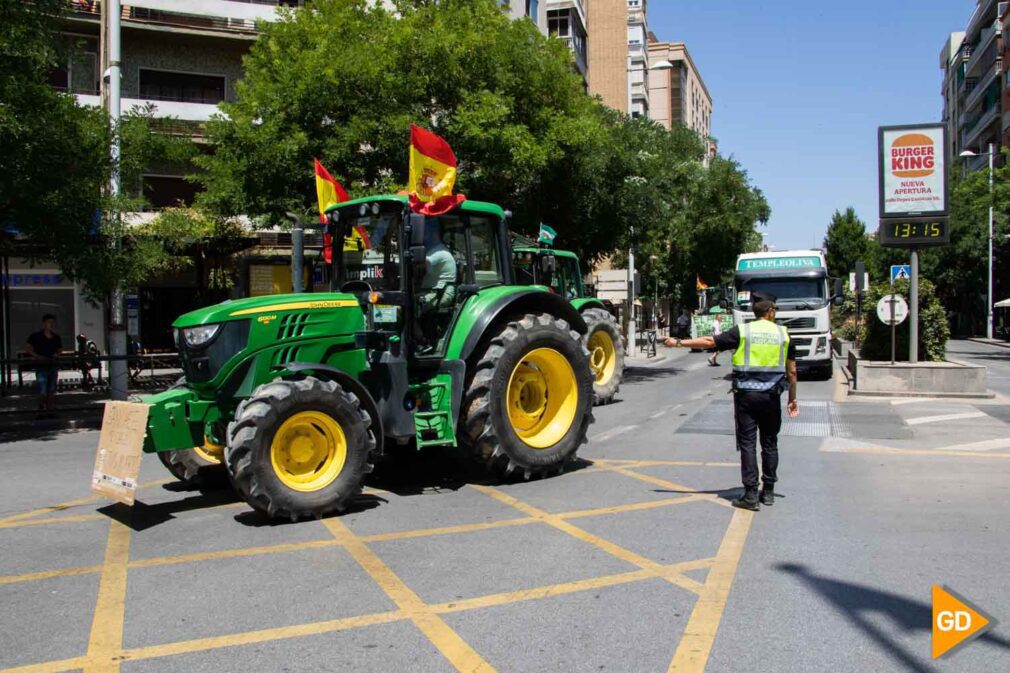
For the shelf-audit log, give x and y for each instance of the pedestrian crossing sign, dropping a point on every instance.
(901, 272)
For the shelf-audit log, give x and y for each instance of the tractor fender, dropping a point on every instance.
(585, 303)
(328, 373)
(517, 304)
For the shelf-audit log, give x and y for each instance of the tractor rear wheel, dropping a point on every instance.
(300, 448)
(528, 404)
(606, 354)
(200, 466)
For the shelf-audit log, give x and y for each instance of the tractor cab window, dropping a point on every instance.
(525, 266)
(566, 278)
(371, 251)
(484, 240)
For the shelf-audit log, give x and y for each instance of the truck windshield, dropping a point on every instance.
(792, 293)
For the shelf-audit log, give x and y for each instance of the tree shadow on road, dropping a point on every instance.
(858, 603)
(634, 374)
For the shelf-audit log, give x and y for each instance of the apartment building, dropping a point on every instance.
(567, 20)
(973, 82)
(536, 10)
(678, 94)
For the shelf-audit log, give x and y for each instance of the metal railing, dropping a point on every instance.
(83, 368)
(92, 9)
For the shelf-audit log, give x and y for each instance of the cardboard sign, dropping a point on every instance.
(120, 448)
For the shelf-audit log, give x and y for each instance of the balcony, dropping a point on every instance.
(578, 50)
(983, 51)
(188, 112)
(978, 126)
(228, 17)
(983, 85)
(562, 5)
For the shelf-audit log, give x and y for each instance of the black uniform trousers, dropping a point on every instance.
(754, 412)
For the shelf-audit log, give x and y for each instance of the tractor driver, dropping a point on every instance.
(438, 287)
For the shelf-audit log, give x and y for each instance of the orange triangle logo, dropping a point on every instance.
(955, 621)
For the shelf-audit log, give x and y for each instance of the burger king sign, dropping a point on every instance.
(913, 171)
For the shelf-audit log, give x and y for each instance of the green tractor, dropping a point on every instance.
(559, 271)
(424, 337)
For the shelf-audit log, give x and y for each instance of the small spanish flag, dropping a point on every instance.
(328, 193)
(432, 174)
(700, 284)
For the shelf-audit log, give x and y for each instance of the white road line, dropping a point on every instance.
(663, 412)
(986, 445)
(912, 400)
(945, 417)
(610, 434)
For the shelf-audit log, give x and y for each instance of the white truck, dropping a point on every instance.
(799, 279)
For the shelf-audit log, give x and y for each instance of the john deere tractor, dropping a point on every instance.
(558, 270)
(424, 337)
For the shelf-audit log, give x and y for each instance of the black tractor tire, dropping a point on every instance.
(248, 455)
(487, 431)
(188, 466)
(600, 322)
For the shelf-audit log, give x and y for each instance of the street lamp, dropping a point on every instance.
(988, 300)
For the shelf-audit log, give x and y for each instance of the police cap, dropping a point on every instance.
(763, 296)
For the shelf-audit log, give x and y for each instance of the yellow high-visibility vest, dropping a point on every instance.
(759, 362)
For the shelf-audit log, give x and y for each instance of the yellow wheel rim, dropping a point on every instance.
(308, 451)
(602, 356)
(211, 452)
(543, 397)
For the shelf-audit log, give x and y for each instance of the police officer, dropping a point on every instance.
(764, 364)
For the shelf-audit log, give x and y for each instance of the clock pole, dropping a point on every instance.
(913, 310)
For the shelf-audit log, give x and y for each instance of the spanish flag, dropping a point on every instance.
(432, 174)
(328, 193)
(700, 284)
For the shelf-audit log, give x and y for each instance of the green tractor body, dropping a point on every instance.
(424, 339)
(560, 273)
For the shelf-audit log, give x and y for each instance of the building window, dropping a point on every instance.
(181, 87)
(559, 23)
(59, 78)
(168, 191)
(532, 9)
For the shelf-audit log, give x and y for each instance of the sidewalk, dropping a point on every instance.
(990, 342)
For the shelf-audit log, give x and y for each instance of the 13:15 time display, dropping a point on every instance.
(913, 233)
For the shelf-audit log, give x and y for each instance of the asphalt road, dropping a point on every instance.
(631, 561)
(995, 358)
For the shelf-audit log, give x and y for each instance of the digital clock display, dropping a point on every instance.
(913, 233)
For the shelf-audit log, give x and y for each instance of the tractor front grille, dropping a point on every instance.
(202, 364)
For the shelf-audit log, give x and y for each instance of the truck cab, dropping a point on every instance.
(799, 279)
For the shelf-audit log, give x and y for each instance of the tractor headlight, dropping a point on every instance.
(197, 337)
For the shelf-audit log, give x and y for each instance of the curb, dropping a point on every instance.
(938, 396)
(25, 428)
(987, 342)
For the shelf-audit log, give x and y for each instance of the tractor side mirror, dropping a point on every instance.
(416, 225)
(838, 300)
(548, 264)
(839, 292)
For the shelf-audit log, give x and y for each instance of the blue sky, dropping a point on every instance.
(800, 87)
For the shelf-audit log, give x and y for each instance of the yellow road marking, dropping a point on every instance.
(262, 636)
(74, 503)
(49, 574)
(106, 637)
(50, 666)
(634, 507)
(77, 518)
(456, 650)
(671, 485)
(887, 451)
(556, 521)
(699, 634)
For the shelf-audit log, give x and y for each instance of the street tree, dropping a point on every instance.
(846, 243)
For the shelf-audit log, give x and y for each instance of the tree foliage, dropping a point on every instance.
(845, 243)
(933, 330)
(342, 79)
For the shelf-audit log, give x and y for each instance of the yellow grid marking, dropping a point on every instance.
(456, 650)
(556, 521)
(699, 634)
(74, 503)
(49, 574)
(106, 637)
(76, 518)
(672, 485)
(633, 507)
(887, 451)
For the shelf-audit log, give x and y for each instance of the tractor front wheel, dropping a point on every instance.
(300, 448)
(606, 354)
(199, 466)
(528, 405)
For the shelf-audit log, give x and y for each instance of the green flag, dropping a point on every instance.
(547, 235)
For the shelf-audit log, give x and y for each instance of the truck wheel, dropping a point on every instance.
(528, 404)
(200, 466)
(300, 448)
(606, 354)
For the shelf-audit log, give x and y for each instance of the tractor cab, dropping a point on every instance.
(413, 273)
(557, 270)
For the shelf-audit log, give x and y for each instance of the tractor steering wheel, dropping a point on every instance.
(356, 287)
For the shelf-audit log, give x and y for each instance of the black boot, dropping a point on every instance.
(768, 495)
(749, 499)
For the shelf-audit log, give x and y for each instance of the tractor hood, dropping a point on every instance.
(243, 309)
